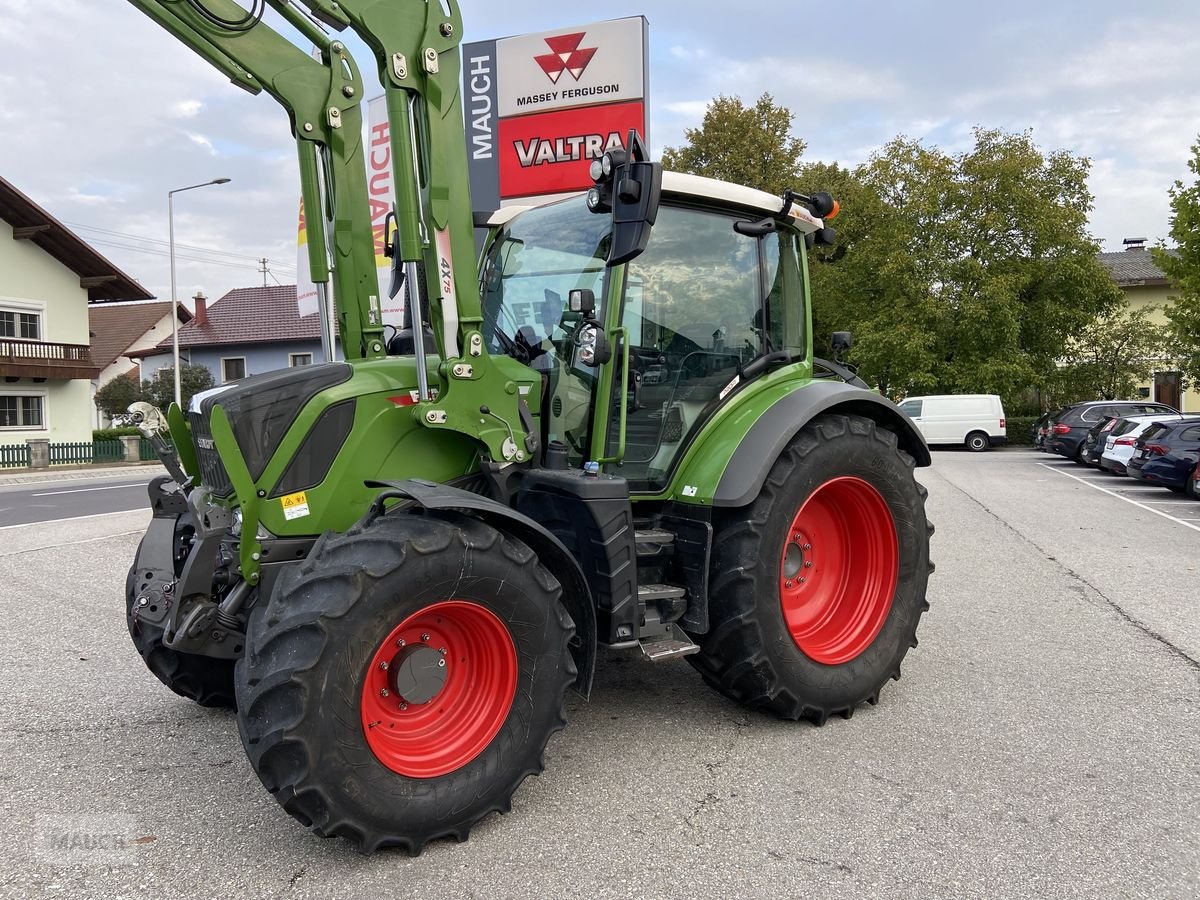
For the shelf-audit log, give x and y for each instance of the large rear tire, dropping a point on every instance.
(818, 585)
(404, 680)
(205, 680)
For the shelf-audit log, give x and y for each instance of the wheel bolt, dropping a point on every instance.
(383, 692)
(403, 705)
(797, 536)
(808, 564)
(383, 665)
(802, 579)
(442, 650)
(400, 642)
(787, 584)
(808, 546)
(441, 664)
(425, 637)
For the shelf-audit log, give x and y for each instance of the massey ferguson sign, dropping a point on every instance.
(540, 107)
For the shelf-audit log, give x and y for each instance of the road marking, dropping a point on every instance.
(111, 487)
(1157, 512)
(115, 512)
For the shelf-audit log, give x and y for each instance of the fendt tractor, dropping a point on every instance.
(607, 428)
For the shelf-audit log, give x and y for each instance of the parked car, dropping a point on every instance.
(1096, 438)
(1122, 436)
(1167, 453)
(973, 420)
(1193, 485)
(1070, 428)
(1041, 428)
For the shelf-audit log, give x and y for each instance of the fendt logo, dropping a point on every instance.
(567, 56)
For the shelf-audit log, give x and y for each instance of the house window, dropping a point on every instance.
(299, 359)
(233, 368)
(27, 326)
(22, 412)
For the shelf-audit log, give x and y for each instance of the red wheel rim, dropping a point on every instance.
(425, 736)
(838, 570)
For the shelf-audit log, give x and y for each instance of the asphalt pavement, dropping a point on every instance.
(1041, 743)
(68, 498)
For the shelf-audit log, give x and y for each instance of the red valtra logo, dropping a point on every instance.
(567, 56)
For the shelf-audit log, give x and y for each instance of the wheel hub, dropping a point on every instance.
(838, 570)
(418, 673)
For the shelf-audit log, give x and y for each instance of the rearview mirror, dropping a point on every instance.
(842, 341)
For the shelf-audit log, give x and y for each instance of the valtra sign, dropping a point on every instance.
(540, 107)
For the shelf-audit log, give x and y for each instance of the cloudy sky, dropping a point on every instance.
(102, 112)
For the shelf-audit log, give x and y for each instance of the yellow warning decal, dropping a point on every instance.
(295, 506)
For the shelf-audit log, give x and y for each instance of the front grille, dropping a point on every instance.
(212, 471)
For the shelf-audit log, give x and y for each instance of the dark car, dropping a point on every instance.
(1070, 428)
(1096, 438)
(1193, 485)
(1167, 453)
(1041, 428)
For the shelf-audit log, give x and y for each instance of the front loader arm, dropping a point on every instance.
(322, 98)
(415, 44)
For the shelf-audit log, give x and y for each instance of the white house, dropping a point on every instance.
(47, 276)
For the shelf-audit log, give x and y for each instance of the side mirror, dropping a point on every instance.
(842, 341)
(582, 301)
(630, 186)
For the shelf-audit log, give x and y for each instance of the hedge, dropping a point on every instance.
(109, 434)
(1019, 427)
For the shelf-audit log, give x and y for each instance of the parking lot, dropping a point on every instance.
(1042, 741)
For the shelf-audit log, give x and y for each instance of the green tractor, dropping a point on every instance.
(610, 430)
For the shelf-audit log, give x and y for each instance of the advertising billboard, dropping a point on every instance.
(540, 107)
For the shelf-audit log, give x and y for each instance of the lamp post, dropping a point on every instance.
(174, 301)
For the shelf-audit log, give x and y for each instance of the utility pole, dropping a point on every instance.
(263, 269)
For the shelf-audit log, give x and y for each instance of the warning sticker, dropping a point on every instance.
(295, 506)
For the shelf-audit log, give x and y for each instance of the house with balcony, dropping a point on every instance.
(247, 332)
(48, 275)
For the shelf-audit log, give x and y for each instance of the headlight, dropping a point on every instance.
(596, 170)
(587, 344)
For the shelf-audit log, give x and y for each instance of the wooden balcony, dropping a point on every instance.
(45, 359)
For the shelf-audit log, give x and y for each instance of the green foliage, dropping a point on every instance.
(114, 398)
(750, 145)
(1018, 429)
(959, 273)
(1110, 357)
(160, 390)
(1183, 268)
(111, 434)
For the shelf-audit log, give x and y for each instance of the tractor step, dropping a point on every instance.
(647, 593)
(668, 646)
(654, 542)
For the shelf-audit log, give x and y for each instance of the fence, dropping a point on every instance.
(16, 456)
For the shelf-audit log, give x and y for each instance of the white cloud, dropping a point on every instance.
(187, 109)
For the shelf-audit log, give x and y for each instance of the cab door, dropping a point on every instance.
(699, 304)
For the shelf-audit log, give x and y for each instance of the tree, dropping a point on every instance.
(964, 272)
(1183, 268)
(114, 398)
(160, 390)
(1110, 357)
(750, 145)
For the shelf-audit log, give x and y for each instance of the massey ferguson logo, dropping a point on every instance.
(567, 56)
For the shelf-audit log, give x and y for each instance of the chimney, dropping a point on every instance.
(1133, 244)
(201, 301)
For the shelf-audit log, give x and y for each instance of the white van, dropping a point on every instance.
(974, 420)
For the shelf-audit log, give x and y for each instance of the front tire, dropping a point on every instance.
(404, 680)
(818, 585)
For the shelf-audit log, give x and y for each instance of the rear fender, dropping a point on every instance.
(771, 432)
(576, 596)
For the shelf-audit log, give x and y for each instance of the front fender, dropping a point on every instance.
(757, 451)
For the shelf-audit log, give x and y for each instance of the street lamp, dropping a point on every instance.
(175, 302)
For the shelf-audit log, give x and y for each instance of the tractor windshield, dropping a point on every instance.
(531, 267)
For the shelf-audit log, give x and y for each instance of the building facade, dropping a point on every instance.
(47, 277)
